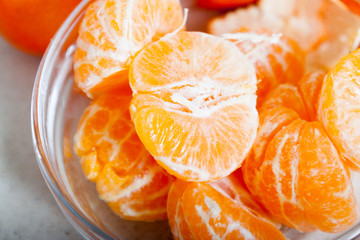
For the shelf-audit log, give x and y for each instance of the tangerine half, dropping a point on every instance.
(295, 170)
(194, 105)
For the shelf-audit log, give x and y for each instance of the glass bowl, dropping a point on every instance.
(56, 109)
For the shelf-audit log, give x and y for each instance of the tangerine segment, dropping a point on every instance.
(177, 222)
(310, 87)
(194, 109)
(137, 195)
(126, 175)
(112, 32)
(211, 215)
(271, 121)
(234, 188)
(107, 135)
(277, 58)
(282, 106)
(288, 96)
(339, 106)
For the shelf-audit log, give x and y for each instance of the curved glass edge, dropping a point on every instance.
(78, 221)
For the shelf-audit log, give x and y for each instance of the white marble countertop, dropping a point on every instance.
(27, 208)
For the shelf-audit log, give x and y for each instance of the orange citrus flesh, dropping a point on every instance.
(277, 59)
(310, 87)
(339, 107)
(112, 156)
(234, 187)
(295, 170)
(199, 211)
(194, 105)
(274, 115)
(112, 32)
(177, 221)
(323, 29)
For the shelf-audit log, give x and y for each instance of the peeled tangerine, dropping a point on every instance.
(294, 169)
(324, 29)
(112, 32)
(277, 58)
(194, 105)
(112, 156)
(339, 107)
(218, 210)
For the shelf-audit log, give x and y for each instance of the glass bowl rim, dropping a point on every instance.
(41, 152)
(67, 207)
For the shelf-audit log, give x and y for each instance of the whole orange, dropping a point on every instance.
(30, 24)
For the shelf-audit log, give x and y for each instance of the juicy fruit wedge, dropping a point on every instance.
(339, 106)
(198, 211)
(111, 154)
(112, 32)
(194, 105)
(277, 59)
(295, 170)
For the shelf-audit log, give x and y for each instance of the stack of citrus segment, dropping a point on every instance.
(227, 137)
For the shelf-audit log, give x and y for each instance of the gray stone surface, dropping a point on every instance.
(27, 208)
